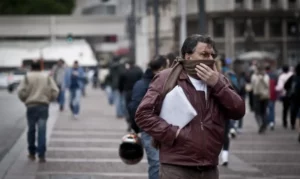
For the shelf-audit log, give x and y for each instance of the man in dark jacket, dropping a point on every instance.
(115, 69)
(193, 150)
(128, 78)
(139, 90)
(292, 87)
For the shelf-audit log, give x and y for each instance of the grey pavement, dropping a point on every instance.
(12, 120)
(87, 148)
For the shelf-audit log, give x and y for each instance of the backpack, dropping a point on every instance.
(262, 89)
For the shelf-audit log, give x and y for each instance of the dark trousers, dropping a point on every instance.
(226, 133)
(183, 172)
(294, 113)
(286, 106)
(251, 100)
(37, 118)
(261, 106)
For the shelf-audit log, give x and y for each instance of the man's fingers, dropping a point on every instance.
(205, 67)
(202, 74)
(199, 67)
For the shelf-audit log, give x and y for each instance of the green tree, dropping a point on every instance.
(36, 7)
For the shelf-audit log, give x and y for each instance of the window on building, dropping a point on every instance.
(292, 4)
(274, 4)
(218, 27)
(239, 4)
(257, 4)
(275, 28)
(258, 26)
(239, 27)
(111, 9)
(292, 28)
(110, 39)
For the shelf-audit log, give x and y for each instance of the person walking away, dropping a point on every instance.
(261, 92)
(273, 97)
(128, 78)
(59, 72)
(75, 82)
(139, 90)
(85, 82)
(191, 151)
(37, 90)
(292, 87)
(115, 70)
(283, 77)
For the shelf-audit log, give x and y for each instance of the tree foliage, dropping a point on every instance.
(36, 7)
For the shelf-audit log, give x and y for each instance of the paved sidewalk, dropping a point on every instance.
(87, 148)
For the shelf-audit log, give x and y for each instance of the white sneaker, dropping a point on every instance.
(224, 157)
(232, 133)
(76, 116)
(272, 126)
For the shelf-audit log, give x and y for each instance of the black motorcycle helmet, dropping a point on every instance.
(131, 149)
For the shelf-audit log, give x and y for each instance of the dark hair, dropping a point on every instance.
(191, 42)
(61, 60)
(297, 69)
(285, 68)
(36, 65)
(76, 62)
(268, 68)
(158, 62)
(171, 57)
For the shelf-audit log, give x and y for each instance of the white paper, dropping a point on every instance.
(176, 108)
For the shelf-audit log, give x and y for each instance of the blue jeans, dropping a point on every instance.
(152, 156)
(37, 116)
(119, 101)
(271, 111)
(75, 95)
(109, 94)
(61, 98)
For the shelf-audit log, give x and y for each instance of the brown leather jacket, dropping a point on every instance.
(200, 142)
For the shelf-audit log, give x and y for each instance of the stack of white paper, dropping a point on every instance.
(176, 108)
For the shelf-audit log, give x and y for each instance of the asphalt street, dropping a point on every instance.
(12, 120)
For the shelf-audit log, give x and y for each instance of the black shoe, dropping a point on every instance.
(293, 128)
(299, 138)
(31, 157)
(42, 160)
(61, 108)
(225, 164)
(284, 126)
(262, 129)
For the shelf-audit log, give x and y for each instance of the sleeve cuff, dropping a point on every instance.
(219, 85)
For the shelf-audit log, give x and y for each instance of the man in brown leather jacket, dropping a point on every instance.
(192, 152)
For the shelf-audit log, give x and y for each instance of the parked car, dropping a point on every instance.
(3, 80)
(14, 79)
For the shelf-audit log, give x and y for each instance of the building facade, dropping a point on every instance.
(275, 24)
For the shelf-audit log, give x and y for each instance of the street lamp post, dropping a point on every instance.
(202, 17)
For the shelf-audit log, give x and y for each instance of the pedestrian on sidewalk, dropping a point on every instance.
(261, 91)
(283, 77)
(75, 82)
(273, 97)
(37, 90)
(115, 69)
(128, 78)
(193, 150)
(292, 86)
(59, 72)
(139, 90)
